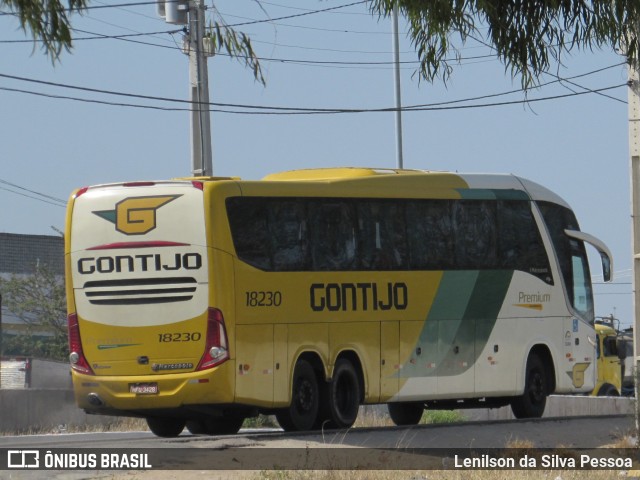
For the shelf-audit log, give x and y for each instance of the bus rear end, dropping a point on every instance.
(143, 339)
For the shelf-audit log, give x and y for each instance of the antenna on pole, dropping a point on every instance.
(192, 13)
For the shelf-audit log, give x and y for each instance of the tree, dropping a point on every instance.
(47, 20)
(39, 301)
(527, 35)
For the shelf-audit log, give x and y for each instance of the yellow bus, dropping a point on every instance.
(204, 301)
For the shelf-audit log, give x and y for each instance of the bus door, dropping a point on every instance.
(580, 339)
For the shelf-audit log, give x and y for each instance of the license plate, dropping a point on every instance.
(143, 388)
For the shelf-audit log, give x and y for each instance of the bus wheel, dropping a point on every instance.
(166, 427)
(196, 427)
(532, 402)
(608, 390)
(405, 413)
(226, 425)
(343, 395)
(303, 411)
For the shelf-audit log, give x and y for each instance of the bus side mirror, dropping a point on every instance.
(606, 266)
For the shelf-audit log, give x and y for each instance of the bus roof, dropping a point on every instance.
(399, 181)
(411, 177)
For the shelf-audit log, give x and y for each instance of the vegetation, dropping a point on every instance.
(39, 301)
(48, 21)
(526, 35)
(49, 24)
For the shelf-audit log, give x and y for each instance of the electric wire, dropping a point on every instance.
(40, 196)
(286, 17)
(263, 110)
(100, 36)
(167, 99)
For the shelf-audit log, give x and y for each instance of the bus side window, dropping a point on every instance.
(582, 294)
(332, 234)
(519, 240)
(248, 222)
(288, 232)
(572, 257)
(430, 234)
(381, 235)
(474, 223)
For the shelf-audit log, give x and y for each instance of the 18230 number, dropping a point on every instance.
(263, 299)
(179, 337)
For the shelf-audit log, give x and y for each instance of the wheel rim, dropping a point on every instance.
(536, 388)
(304, 397)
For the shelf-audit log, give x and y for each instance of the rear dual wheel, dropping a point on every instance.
(303, 411)
(331, 405)
(341, 397)
(166, 427)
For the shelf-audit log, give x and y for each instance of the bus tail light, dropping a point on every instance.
(76, 356)
(216, 350)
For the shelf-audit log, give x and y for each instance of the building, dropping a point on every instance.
(21, 255)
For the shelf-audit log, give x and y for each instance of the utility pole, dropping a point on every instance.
(201, 155)
(192, 13)
(396, 80)
(634, 154)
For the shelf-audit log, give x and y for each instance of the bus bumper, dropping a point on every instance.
(102, 394)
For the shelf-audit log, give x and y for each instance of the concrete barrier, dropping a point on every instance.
(35, 410)
(43, 410)
(564, 406)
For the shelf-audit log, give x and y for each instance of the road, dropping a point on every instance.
(256, 450)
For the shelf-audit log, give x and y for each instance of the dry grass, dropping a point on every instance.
(101, 424)
(443, 474)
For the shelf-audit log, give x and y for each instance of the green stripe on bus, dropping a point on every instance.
(491, 194)
(459, 323)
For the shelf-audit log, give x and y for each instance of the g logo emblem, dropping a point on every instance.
(136, 215)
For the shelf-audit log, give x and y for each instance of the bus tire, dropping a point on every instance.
(196, 427)
(532, 402)
(343, 396)
(225, 425)
(405, 413)
(166, 427)
(608, 390)
(303, 411)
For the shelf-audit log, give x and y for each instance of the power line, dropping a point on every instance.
(41, 197)
(275, 110)
(308, 9)
(100, 36)
(311, 12)
(96, 7)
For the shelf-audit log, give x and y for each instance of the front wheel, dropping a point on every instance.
(532, 402)
(303, 411)
(166, 427)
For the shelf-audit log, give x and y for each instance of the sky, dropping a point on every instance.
(576, 145)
